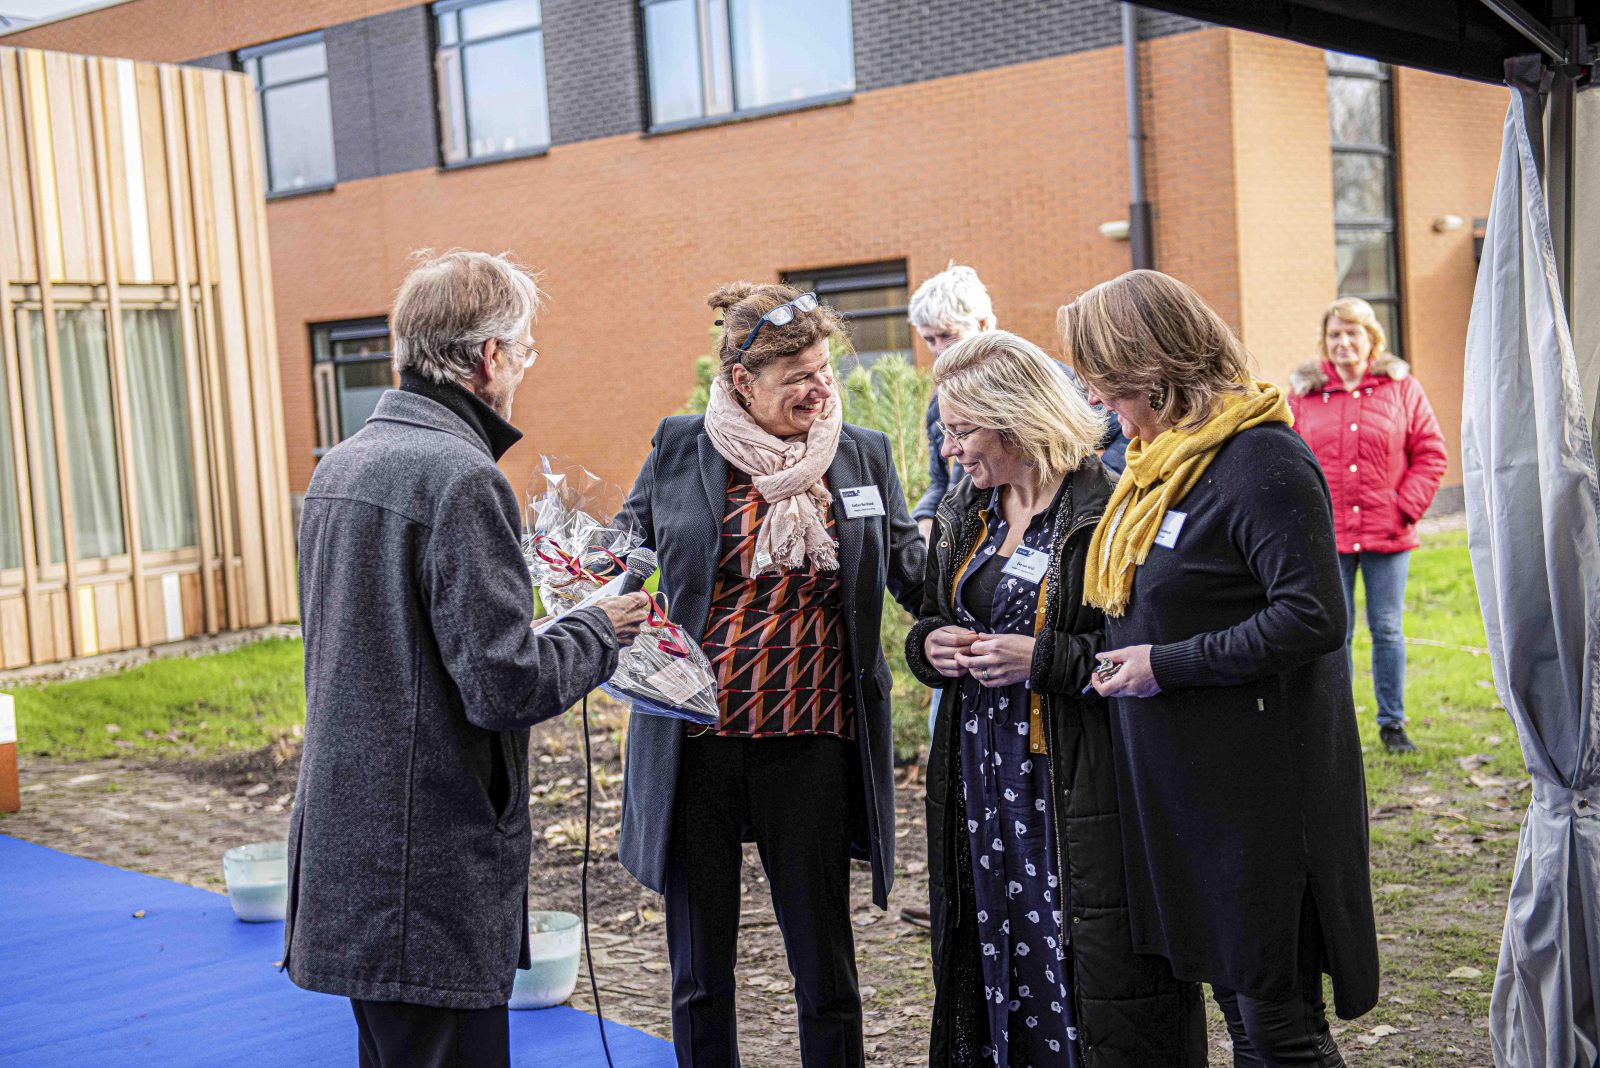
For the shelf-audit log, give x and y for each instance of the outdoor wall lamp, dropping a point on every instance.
(1115, 231)
(1445, 223)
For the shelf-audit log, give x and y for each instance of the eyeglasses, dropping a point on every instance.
(960, 440)
(782, 315)
(527, 357)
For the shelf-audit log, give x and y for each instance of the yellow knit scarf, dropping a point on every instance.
(1159, 475)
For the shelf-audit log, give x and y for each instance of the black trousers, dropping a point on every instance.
(397, 1035)
(1287, 1033)
(795, 796)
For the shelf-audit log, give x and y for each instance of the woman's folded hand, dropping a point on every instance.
(998, 659)
(943, 648)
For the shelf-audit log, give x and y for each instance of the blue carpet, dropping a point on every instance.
(85, 983)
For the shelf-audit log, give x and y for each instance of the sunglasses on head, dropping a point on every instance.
(782, 315)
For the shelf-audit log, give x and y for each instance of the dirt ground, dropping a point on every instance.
(175, 820)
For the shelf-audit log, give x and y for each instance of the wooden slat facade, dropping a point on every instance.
(129, 188)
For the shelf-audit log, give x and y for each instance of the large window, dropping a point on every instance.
(717, 57)
(291, 77)
(353, 366)
(163, 455)
(872, 299)
(91, 442)
(492, 100)
(1361, 124)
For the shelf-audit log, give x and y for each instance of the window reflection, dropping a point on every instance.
(296, 112)
(491, 75)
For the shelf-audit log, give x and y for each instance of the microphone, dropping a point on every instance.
(641, 565)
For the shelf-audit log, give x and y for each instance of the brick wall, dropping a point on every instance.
(1283, 168)
(380, 75)
(897, 41)
(594, 67)
(1447, 134)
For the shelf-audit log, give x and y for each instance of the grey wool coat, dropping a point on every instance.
(409, 839)
(678, 503)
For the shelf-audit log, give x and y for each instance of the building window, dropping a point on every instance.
(291, 78)
(91, 459)
(352, 366)
(490, 64)
(708, 58)
(163, 454)
(872, 300)
(1361, 121)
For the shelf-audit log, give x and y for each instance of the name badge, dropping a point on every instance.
(860, 502)
(1027, 564)
(1171, 523)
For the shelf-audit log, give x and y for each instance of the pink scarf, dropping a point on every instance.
(789, 475)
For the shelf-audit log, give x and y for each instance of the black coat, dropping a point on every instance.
(1243, 797)
(1131, 1012)
(678, 503)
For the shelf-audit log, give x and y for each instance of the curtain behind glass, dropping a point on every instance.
(46, 487)
(163, 460)
(91, 440)
(10, 517)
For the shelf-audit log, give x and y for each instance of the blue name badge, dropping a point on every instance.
(1171, 524)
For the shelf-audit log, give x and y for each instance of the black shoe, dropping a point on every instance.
(1395, 740)
(917, 917)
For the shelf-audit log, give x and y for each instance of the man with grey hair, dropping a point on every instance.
(409, 840)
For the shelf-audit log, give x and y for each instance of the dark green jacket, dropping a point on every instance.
(1131, 1012)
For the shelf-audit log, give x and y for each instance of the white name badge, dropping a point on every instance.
(1171, 523)
(1027, 564)
(861, 502)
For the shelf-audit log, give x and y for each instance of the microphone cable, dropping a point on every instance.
(583, 881)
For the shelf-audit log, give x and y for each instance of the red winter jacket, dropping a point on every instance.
(1380, 446)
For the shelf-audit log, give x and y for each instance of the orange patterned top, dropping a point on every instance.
(777, 643)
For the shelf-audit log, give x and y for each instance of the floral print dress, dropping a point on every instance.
(1019, 898)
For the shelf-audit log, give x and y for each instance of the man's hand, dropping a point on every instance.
(626, 614)
(944, 645)
(1131, 676)
(999, 659)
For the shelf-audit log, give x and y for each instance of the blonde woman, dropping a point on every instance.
(1033, 962)
(1372, 429)
(1238, 765)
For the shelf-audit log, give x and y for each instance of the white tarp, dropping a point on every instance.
(1533, 520)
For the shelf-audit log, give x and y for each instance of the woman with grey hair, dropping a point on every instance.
(778, 527)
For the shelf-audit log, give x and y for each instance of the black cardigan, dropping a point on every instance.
(1131, 1012)
(1243, 795)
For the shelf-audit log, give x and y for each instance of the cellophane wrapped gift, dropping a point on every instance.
(575, 559)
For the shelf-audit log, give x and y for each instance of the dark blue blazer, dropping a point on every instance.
(677, 503)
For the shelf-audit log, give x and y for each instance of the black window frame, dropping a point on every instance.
(243, 59)
(735, 113)
(442, 121)
(1388, 224)
(325, 384)
(852, 278)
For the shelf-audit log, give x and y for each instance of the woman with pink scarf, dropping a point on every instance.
(779, 527)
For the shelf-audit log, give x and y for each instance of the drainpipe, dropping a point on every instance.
(1141, 234)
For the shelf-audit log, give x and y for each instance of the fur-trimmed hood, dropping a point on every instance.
(1312, 375)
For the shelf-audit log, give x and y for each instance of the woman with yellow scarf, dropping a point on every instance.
(1238, 765)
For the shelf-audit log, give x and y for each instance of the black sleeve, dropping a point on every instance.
(907, 551)
(1282, 525)
(1063, 659)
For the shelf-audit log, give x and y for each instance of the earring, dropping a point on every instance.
(1157, 401)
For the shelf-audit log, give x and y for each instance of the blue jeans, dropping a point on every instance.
(1384, 578)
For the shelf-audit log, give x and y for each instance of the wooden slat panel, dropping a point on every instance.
(108, 617)
(67, 97)
(18, 257)
(14, 647)
(194, 618)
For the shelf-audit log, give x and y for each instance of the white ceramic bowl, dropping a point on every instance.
(258, 880)
(554, 941)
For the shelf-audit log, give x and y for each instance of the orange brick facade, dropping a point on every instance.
(1010, 169)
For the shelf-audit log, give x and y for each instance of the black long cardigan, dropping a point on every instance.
(677, 504)
(1243, 796)
(1131, 1012)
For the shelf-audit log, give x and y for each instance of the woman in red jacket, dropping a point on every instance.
(1375, 435)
